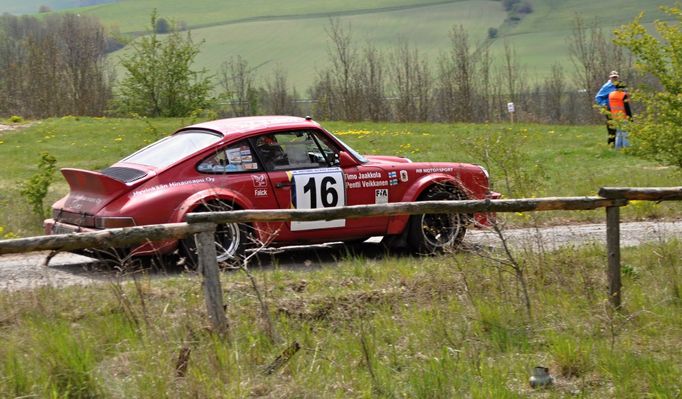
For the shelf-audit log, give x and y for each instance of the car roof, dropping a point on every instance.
(252, 123)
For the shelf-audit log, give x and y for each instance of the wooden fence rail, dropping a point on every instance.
(202, 225)
(409, 208)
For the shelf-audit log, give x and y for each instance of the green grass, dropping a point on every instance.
(560, 160)
(295, 38)
(443, 327)
(541, 39)
(291, 35)
(299, 44)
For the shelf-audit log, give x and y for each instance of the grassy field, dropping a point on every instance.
(290, 35)
(541, 39)
(296, 40)
(441, 327)
(526, 161)
(299, 43)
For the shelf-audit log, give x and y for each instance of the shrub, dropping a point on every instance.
(525, 8)
(656, 133)
(35, 189)
(509, 4)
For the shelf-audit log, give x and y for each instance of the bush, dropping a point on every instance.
(656, 133)
(35, 189)
(525, 8)
(509, 4)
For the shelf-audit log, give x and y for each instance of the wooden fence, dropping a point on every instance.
(202, 226)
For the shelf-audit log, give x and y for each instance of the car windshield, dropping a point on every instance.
(173, 148)
(352, 151)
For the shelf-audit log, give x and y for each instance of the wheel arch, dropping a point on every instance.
(194, 201)
(397, 224)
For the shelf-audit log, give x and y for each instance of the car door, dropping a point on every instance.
(236, 169)
(304, 171)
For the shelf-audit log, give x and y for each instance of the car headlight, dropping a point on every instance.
(485, 172)
(113, 222)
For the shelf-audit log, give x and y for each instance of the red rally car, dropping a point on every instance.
(269, 162)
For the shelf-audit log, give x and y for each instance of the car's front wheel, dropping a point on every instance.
(434, 233)
(231, 239)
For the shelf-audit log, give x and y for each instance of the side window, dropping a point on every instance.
(235, 158)
(294, 150)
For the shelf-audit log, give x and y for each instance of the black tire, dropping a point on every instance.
(437, 233)
(231, 239)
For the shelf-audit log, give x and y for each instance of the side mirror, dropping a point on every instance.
(346, 160)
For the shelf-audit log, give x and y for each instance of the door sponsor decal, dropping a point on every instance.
(259, 181)
(365, 180)
(172, 184)
(381, 196)
(317, 188)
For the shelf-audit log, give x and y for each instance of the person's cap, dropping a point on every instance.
(621, 86)
(614, 74)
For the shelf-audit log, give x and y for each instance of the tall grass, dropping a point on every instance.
(439, 327)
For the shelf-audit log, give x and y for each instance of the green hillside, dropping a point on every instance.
(15, 7)
(541, 38)
(291, 34)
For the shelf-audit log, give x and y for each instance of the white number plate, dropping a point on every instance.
(318, 188)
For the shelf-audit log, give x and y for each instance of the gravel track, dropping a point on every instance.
(26, 271)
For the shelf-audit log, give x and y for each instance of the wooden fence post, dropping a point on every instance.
(208, 265)
(613, 253)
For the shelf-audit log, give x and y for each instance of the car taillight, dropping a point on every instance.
(112, 222)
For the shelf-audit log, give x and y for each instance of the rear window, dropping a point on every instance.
(173, 148)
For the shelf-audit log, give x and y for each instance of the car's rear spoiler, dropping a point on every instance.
(87, 182)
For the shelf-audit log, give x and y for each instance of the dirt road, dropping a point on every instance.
(23, 271)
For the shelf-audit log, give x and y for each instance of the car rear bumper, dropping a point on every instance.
(52, 227)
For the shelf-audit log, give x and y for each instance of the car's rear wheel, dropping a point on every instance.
(435, 233)
(231, 239)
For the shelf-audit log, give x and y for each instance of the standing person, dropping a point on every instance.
(602, 100)
(619, 105)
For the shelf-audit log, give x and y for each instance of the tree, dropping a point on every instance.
(236, 79)
(160, 81)
(278, 99)
(162, 26)
(593, 55)
(53, 66)
(410, 77)
(657, 131)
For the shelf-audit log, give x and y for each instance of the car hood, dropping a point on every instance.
(384, 159)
